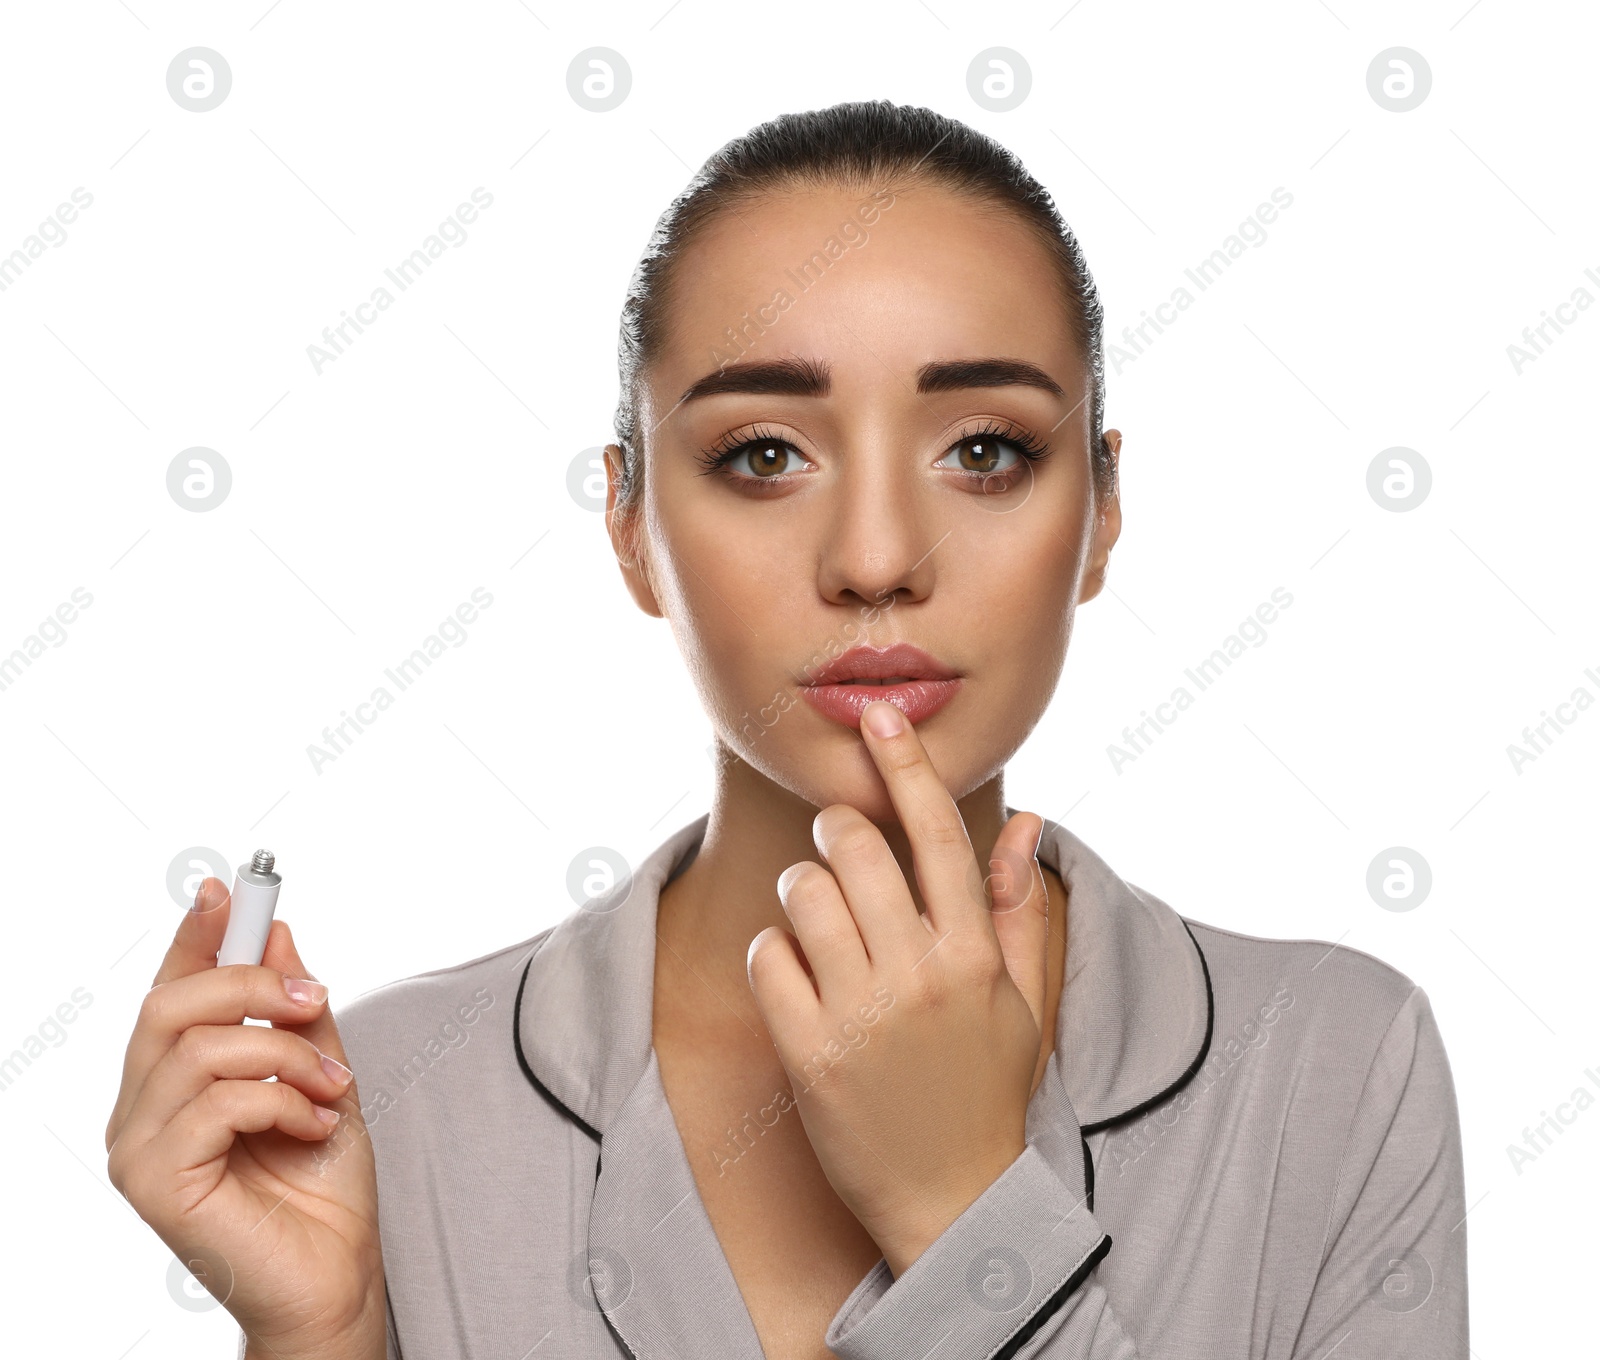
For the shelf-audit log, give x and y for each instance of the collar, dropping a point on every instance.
(1134, 1021)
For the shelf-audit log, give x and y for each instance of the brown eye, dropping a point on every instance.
(989, 454)
(982, 454)
(766, 459)
(762, 459)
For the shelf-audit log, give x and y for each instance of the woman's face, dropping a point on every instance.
(869, 499)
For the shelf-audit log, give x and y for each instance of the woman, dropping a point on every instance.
(861, 1062)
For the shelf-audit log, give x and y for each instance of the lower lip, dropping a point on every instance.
(917, 699)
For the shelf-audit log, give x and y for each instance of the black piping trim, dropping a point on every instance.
(522, 1059)
(1088, 1172)
(1052, 1305)
(1188, 1073)
(392, 1329)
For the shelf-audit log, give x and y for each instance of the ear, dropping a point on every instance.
(627, 541)
(1108, 528)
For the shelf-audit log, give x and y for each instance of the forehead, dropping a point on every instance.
(876, 286)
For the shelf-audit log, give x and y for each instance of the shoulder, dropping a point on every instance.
(1344, 1001)
(1321, 966)
(443, 1004)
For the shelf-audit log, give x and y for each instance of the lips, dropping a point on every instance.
(900, 662)
(904, 675)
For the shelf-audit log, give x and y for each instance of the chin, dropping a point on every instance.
(841, 771)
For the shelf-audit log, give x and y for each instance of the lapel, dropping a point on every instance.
(1134, 1024)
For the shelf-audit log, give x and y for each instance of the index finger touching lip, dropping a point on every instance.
(946, 865)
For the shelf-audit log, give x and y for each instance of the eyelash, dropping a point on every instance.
(1028, 446)
(729, 447)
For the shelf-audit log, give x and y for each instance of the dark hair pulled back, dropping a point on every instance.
(866, 145)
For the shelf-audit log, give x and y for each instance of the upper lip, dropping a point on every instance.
(882, 663)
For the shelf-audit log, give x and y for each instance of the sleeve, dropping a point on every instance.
(1010, 1279)
(1393, 1276)
(1013, 1277)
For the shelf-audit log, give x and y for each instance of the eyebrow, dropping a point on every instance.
(808, 378)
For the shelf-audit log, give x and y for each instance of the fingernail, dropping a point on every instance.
(325, 1115)
(199, 893)
(883, 719)
(336, 1070)
(305, 991)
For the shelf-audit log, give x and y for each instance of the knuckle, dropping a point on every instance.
(858, 842)
(924, 990)
(941, 833)
(133, 1183)
(221, 1101)
(810, 887)
(193, 1047)
(213, 1103)
(153, 1008)
(117, 1170)
(290, 1100)
(246, 986)
(978, 959)
(830, 938)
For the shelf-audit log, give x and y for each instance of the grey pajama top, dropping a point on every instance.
(1241, 1147)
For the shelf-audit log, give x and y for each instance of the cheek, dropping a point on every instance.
(1023, 566)
(732, 610)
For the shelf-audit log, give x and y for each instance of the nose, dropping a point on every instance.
(879, 541)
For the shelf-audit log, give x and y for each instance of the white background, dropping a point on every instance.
(432, 457)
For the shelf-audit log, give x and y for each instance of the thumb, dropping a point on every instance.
(1019, 908)
(199, 934)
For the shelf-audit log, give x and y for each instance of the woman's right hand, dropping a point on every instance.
(274, 1209)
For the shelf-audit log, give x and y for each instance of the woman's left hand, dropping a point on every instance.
(912, 1040)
